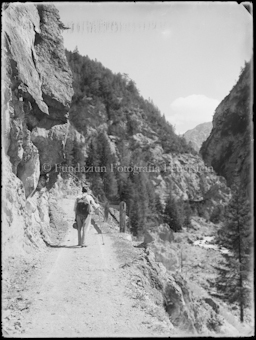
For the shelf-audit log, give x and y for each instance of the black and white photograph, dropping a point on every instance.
(127, 169)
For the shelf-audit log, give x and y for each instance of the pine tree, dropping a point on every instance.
(217, 214)
(141, 201)
(79, 153)
(93, 154)
(135, 216)
(107, 160)
(110, 183)
(159, 208)
(127, 194)
(151, 198)
(187, 215)
(97, 186)
(203, 184)
(172, 214)
(236, 236)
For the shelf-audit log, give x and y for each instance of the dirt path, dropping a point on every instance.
(80, 292)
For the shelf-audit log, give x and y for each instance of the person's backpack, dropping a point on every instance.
(83, 206)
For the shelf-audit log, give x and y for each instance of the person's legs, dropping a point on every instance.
(86, 227)
(79, 229)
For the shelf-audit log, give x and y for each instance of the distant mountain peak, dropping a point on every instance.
(198, 135)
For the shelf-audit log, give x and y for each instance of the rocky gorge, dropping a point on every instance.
(42, 118)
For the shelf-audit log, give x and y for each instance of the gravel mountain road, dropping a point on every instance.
(80, 292)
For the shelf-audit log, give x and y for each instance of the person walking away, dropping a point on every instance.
(83, 214)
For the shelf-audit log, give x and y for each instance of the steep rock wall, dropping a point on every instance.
(38, 89)
(228, 148)
(38, 80)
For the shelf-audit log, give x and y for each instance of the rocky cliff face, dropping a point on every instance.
(37, 94)
(228, 148)
(185, 175)
(198, 135)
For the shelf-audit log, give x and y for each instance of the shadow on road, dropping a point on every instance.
(61, 246)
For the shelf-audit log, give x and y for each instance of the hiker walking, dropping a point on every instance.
(83, 214)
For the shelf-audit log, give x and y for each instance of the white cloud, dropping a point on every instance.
(166, 33)
(190, 111)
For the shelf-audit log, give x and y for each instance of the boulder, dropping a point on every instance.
(168, 258)
(160, 233)
(165, 233)
(148, 238)
(140, 140)
(178, 309)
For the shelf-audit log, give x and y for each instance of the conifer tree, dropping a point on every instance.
(135, 215)
(141, 201)
(151, 197)
(107, 160)
(93, 154)
(217, 214)
(236, 237)
(97, 185)
(172, 214)
(159, 208)
(79, 156)
(110, 183)
(187, 214)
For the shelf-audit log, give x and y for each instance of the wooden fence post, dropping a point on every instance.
(122, 217)
(106, 211)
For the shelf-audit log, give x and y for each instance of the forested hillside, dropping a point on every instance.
(100, 95)
(108, 106)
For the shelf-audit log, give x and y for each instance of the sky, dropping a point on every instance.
(185, 56)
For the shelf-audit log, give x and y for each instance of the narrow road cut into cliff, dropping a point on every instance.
(80, 292)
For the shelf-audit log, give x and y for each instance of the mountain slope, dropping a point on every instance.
(104, 97)
(198, 135)
(127, 132)
(228, 148)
